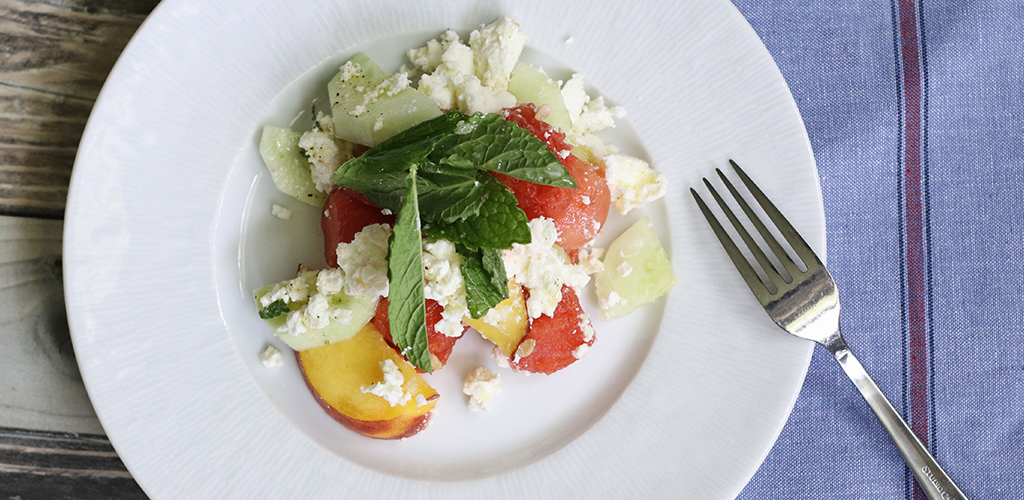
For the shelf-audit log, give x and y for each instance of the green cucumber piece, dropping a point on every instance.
(288, 165)
(363, 308)
(531, 85)
(366, 115)
(636, 272)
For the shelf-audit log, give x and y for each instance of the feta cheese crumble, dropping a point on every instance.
(271, 357)
(542, 267)
(317, 289)
(365, 261)
(281, 212)
(590, 260)
(471, 78)
(481, 386)
(390, 388)
(442, 274)
(610, 300)
(632, 182)
(325, 152)
(294, 290)
(389, 87)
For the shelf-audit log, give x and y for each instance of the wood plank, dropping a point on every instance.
(54, 58)
(40, 385)
(43, 465)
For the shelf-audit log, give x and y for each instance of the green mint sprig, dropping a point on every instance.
(407, 313)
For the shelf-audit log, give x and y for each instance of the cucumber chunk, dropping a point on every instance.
(361, 310)
(531, 85)
(636, 271)
(370, 105)
(288, 166)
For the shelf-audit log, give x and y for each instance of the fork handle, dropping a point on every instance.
(933, 480)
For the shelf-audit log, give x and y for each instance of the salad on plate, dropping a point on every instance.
(462, 192)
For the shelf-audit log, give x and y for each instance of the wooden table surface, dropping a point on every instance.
(55, 56)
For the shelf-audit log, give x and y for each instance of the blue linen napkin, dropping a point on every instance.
(915, 110)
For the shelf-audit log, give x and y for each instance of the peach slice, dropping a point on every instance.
(511, 321)
(338, 374)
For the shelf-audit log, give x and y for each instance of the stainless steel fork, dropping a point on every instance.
(806, 304)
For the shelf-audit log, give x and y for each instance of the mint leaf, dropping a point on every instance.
(499, 145)
(382, 168)
(499, 224)
(369, 177)
(484, 289)
(449, 194)
(494, 264)
(275, 309)
(407, 314)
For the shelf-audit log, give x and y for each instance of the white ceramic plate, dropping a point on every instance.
(169, 229)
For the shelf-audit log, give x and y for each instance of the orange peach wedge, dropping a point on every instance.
(343, 376)
(509, 324)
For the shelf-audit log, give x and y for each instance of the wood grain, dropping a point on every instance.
(49, 465)
(54, 58)
(40, 385)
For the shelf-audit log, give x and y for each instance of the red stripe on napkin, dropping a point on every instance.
(913, 169)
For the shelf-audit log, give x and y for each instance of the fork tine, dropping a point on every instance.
(773, 275)
(773, 243)
(802, 249)
(746, 270)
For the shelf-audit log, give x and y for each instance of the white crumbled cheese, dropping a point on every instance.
(314, 291)
(471, 78)
(586, 327)
(500, 358)
(632, 182)
(586, 114)
(318, 312)
(428, 58)
(543, 268)
(595, 116)
(349, 70)
(590, 260)
(389, 87)
(364, 261)
(496, 49)
(624, 269)
(574, 96)
(481, 386)
(421, 400)
(588, 336)
(281, 212)
(330, 281)
(362, 270)
(271, 357)
(379, 124)
(611, 300)
(595, 145)
(325, 152)
(390, 388)
(294, 290)
(442, 275)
